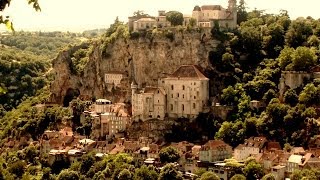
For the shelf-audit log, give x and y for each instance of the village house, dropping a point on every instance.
(251, 146)
(207, 15)
(215, 150)
(278, 172)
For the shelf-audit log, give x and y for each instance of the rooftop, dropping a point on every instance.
(188, 72)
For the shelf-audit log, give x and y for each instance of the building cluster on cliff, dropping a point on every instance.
(205, 16)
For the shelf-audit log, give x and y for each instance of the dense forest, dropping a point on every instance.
(251, 59)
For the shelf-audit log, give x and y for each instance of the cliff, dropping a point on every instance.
(143, 59)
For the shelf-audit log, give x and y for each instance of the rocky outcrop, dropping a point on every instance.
(144, 59)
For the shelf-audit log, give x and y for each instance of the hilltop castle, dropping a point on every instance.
(205, 16)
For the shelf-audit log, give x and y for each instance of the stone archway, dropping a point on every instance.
(70, 95)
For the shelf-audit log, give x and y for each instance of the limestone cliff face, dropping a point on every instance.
(144, 59)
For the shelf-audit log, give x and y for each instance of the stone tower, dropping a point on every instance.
(232, 7)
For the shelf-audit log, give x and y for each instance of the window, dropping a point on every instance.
(182, 107)
(171, 95)
(194, 105)
(171, 107)
(178, 95)
(183, 87)
(194, 97)
(171, 87)
(183, 96)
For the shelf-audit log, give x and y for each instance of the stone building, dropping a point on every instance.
(252, 146)
(149, 102)
(207, 15)
(149, 22)
(215, 150)
(114, 77)
(184, 93)
(187, 92)
(102, 106)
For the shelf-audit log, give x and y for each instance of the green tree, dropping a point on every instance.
(169, 154)
(253, 170)
(313, 41)
(298, 33)
(209, 176)
(192, 22)
(242, 14)
(268, 177)
(291, 97)
(238, 177)
(145, 173)
(68, 175)
(285, 57)
(303, 58)
(125, 174)
(17, 168)
(175, 18)
(169, 172)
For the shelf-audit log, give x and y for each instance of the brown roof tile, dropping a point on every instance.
(211, 7)
(189, 72)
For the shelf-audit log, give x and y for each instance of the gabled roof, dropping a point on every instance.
(211, 7)
(188, 72)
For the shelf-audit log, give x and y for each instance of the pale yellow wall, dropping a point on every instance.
(144, 24)
(113, 79)
(188, 101)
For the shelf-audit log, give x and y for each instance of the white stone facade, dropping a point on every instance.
(148, 103)
(183, 94)
(113, 78)
(206, 15)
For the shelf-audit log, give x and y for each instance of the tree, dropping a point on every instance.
(209, 176)
(268, 177)
(291, 97)
(303, 58)
(169, 172)
(175, 18)
(253, 170)
(145, 173)
(285, 57)
(6, 3)
(125, 174)
(17, 168)
(238, 177)
(298, 33)
(242, 14)
(169, 154)
(68, 175)
(192, 22)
